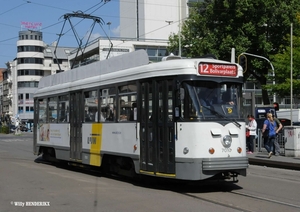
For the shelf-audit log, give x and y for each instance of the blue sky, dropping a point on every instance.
(50, 15)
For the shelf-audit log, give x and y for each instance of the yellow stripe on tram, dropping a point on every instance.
(165, 175)
(146, 172)
(95, 158)
(158, 174)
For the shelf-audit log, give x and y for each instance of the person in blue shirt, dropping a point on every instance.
(269, 129)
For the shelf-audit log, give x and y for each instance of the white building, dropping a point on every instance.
(99, 49)
(1, 92)
(34, 60)
(151, 19)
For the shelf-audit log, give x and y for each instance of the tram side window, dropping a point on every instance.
(42, 110)
(52, 108)
(127, 108)
(63, 109)
(108, 104)
(91, 106)
(127, 103)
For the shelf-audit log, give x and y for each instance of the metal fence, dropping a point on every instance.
(260, 142)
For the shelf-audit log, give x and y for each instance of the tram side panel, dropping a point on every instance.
(55, 136)
(195, 142)
(98, 139)
(109, 138)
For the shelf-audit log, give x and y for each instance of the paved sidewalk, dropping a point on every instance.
(261, 158)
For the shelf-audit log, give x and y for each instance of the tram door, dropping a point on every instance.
(157, 136)
(76, 119)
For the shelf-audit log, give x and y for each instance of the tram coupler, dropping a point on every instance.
(229, 176)
(234, 178)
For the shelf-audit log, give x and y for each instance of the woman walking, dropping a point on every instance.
(269, 130)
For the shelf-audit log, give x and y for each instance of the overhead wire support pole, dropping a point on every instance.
(273, 71)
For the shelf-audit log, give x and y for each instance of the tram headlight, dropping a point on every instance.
(185, 150)
(226, 141)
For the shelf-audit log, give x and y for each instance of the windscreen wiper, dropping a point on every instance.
(223, 116)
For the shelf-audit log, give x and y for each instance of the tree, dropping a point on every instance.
(257, 27)
(282, 64)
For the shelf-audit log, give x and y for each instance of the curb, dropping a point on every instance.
(275, 164)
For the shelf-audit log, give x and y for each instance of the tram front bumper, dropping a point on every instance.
(204, 168)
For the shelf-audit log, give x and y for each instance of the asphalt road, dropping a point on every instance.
(26, 179)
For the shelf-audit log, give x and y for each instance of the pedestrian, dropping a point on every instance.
(269, 133)
(276, 142)
(251, 127)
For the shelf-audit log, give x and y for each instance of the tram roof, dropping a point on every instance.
(123, 68)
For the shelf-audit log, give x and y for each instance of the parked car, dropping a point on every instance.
(23, 128)
(12, 128)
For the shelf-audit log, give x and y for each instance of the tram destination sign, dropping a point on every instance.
(217, 69)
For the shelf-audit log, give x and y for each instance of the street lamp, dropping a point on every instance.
(179, 30)
(273, 72)
(291, 112)
(108, 23)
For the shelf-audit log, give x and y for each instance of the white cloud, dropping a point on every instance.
(93, 36)
(116, 31)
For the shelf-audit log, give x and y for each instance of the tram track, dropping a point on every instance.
(265, 199)
(215, 202)
(232, 205)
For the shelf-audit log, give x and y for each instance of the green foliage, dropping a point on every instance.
(282, 64)
(257, 27)
(4, 129)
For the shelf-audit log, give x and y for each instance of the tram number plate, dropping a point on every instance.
(226, 149)
(91, 140)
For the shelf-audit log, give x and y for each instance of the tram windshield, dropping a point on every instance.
(207, 100)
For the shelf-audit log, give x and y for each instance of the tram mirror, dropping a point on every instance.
(181, 93)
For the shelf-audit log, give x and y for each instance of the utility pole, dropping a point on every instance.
(137, 21)
(179, 30)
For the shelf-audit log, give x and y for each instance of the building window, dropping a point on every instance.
(20, 110)
(56, 61)
(30, 60)
(20, 99)
(29, 109)
(27, 96)
(155, 53)
(30, 49)
(28, 84)
(30, 72)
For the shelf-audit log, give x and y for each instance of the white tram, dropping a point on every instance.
(177, 118)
